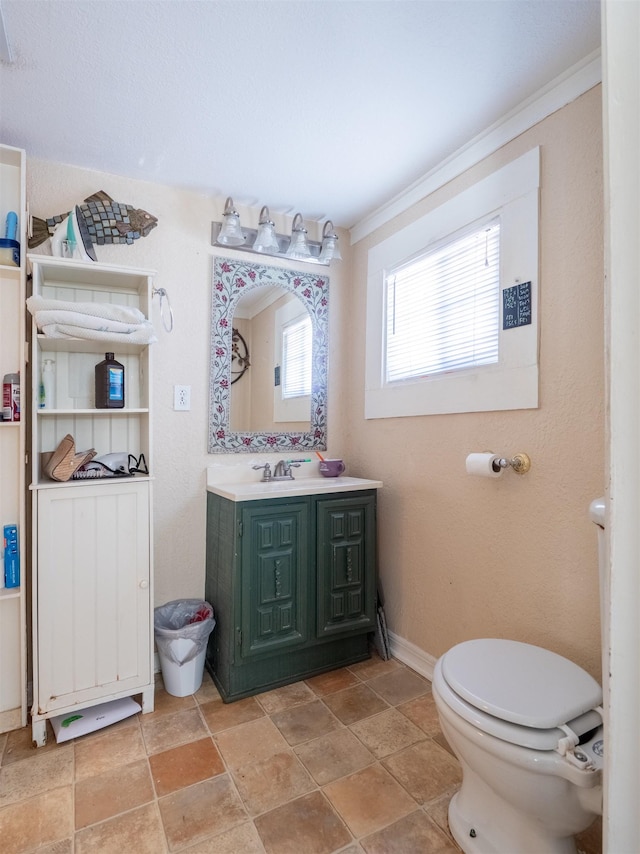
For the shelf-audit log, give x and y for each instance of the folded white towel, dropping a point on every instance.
(108, 311)
(74, 318)
(98, 321)
(141, 334)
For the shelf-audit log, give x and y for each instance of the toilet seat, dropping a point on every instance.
(530, 698)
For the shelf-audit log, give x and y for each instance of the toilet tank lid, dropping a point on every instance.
(519, 682)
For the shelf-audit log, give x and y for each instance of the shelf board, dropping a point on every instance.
(9, 423)
(89, 481)
(10, 268)
(87, 273)
(51, 413)
(88, 345)
(10, 593)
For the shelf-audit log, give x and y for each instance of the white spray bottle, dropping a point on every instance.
(48, 385)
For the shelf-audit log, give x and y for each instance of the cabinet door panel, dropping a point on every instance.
(93, 592)
(346, 564)
(274, 560)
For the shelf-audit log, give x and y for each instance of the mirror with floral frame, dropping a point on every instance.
(231, 280)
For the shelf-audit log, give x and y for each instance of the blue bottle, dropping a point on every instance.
(11, 226)
(11, 557)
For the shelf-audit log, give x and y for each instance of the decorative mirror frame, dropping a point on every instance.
(232, 279)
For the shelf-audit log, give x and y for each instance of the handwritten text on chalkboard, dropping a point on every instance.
(516, 306)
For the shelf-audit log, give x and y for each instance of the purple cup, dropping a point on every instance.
(331, 468)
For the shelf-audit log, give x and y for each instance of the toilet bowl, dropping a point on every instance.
(526, 725)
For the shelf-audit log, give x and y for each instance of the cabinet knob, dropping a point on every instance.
(144, 585)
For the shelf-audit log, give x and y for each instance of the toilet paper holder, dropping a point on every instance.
(520, 463)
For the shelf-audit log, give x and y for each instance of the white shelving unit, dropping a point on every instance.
(92, 555)
(13, 634)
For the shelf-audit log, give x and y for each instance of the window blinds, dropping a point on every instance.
(296, 359)
(443, 308)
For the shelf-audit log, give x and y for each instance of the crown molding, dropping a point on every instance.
(562, 91)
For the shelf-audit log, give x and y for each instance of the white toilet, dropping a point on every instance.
(526, 725)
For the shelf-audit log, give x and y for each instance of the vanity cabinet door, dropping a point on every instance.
(345, 532)
(274, 577)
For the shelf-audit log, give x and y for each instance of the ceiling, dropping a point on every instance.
(330, 107)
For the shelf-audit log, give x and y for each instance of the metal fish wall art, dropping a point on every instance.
(100, 221)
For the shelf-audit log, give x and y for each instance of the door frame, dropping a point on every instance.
(621, 606)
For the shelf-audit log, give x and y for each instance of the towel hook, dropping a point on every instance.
(161, 292)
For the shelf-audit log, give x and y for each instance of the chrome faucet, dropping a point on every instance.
(282, 470)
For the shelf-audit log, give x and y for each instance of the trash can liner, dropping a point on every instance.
(183, 619)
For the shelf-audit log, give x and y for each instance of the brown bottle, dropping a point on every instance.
(109, 383)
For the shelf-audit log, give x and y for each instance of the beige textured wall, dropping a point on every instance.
(464, 557)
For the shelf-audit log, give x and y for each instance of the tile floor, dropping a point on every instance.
(350, 761)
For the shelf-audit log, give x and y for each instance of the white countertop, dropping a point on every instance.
(257, 489)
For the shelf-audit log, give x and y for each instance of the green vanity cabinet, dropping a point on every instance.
(292, 582)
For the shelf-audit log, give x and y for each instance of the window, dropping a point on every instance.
(435, 337)
(293, 360)
(442, 308)
(296, 358)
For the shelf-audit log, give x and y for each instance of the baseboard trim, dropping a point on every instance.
(411, 655)
(405, 651)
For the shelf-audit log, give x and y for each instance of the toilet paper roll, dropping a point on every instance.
(482, 465)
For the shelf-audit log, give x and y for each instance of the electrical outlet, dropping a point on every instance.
(182, 397)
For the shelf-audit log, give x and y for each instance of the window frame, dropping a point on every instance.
(510, 193)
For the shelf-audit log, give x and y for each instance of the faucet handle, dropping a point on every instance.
(296, 463)
(267, 470)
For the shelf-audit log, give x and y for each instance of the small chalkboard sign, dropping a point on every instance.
(516, 306)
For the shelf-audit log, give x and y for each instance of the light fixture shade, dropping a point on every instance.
(329, 250)
(230, 232)
(298, 247)
(266, 240)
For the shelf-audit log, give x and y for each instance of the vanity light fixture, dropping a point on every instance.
(329, 250)
(265, 241)
(230, 232)
(298, 246)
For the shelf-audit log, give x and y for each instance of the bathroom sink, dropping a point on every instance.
(255, 490)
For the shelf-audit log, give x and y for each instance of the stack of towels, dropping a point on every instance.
(98, 321)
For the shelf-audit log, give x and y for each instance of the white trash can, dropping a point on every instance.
(182, 629)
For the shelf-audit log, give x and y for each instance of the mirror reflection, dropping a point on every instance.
(272, 331)
(268, 358)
